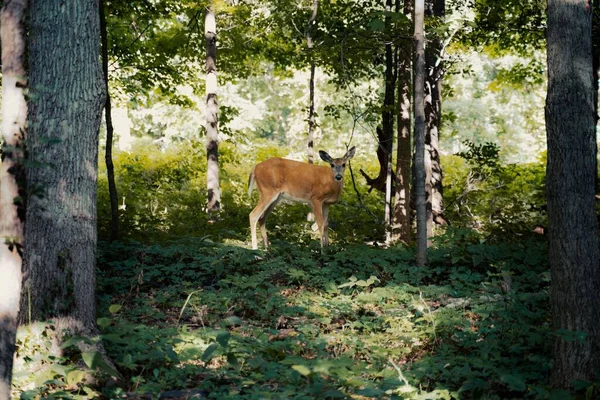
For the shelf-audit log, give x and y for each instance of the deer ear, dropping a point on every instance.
(324, 156)
(350, 153)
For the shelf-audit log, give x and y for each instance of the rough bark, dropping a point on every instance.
(401, 215)
(596, 65)
(12, 179)
(311, 107)
(388, 123)
(433, 116)
(212, 114)
(110, 169)
(419, 111)
(385, 134)
(574, 250)
(65, 108)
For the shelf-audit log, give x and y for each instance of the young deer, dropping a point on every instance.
(280, 179)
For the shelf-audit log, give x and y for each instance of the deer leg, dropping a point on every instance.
(317, 207)
(325, 235)
(263, 219)
(257, 214)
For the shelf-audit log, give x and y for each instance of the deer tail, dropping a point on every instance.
(251, 183)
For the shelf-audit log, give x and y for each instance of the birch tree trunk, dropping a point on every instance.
(574, 250)
(12, 180)
(311, 107)
(212, 113)
(67, 94)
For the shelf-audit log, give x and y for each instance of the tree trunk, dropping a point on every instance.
(401, 216)
(388, 123)
(596, 65)
(433, 115)
(385, 135)
(574, 250)
(65, 112)
(311, 107)
(110, 169)
(384, 151)
(12, 179)
(419, 106)
(212, 114)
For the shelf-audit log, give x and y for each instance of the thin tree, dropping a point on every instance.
(212, 113)
(401, 215)
(12, 184)
(66, 98)
(388, 122)
(110, 169)
(311, 107)
(419, 110)
(574, 250)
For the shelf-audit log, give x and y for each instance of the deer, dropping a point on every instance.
(294, 181)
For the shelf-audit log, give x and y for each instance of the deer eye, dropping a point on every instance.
(344, 165)
(332, 166)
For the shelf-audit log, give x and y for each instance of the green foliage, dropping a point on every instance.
(162, 193)
(45, 371)
(358, 321)
(482, 193)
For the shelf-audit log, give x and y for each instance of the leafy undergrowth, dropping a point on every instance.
(357, 322)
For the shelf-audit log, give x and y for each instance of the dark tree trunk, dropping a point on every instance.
(12, 180)
(212, 114)
(571, 173)
(65, 111)
(596, 65)
(433, 116)
(110, 169)
(388, 122)
(385, 135)
(419, 106)
(384, 150)
(311, 107)
(401, 216)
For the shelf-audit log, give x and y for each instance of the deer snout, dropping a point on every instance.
(339, 177)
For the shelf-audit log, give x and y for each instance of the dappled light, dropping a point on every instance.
(450, 253)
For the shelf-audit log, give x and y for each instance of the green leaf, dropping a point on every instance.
(377, 25)
(514, 382)
(94, 360)
(103, 322)
(74, 340)
(301, 369)
(114, 308)
(232, 360)
(208, 353)
(223, 338)
(75, 377)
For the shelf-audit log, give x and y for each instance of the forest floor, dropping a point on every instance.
(356, 322)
